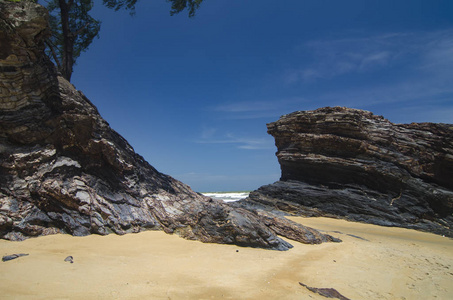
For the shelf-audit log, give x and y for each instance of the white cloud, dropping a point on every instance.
(258, 109)
(208, 132)
(438, 56)
(242, 143)
(331, 58)
(382, 72)
(407, 75)
(375, 59)
(247, 143)
(246, 106)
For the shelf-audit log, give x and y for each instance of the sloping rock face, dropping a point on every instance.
(349, 163)
(64, 170)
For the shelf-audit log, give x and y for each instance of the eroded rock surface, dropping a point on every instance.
(349, 163)
(64, 170)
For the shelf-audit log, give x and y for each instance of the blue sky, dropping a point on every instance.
(193, 96)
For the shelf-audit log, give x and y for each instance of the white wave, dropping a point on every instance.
(228, 197)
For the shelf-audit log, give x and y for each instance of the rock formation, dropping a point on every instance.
(64, 170)
(349, 163)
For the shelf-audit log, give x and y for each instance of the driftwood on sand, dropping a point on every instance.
(13, 256)
(326, 292)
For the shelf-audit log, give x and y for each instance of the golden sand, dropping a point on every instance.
(387, 263)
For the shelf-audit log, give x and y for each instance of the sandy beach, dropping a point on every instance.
(372, 262)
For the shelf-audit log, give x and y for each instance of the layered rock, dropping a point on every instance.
(64, 170)
(349, 163)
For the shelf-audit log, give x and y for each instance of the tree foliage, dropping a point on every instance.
(176, 5)
(179, 5)
(120, 4)
(73, 28)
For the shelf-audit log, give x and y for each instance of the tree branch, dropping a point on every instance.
(54, 55)
(80, 30)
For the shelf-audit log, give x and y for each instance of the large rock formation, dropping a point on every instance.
(64, 170)
(349, 163)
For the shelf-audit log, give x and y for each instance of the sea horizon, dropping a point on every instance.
(231, 196)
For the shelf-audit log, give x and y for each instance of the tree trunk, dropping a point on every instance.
(68, 40)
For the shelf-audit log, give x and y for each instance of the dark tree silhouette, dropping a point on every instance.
(73, 29)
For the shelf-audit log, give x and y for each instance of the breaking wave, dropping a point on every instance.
(228, 196)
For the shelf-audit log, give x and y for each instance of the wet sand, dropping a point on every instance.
(372, 263)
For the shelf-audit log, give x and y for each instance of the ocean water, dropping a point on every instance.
(228, 196)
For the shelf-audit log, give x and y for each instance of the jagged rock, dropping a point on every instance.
(64, 170)
(349, 163)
